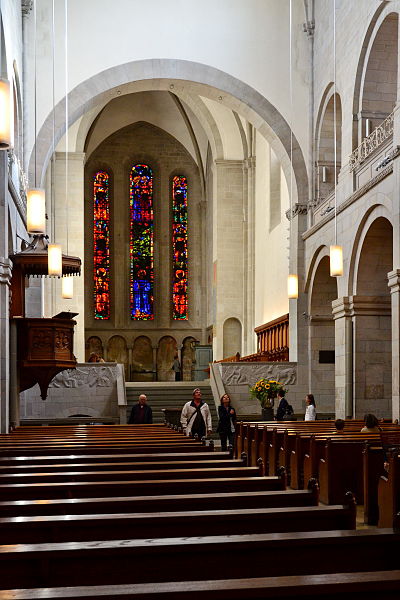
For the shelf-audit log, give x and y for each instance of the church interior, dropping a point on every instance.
(199, 299)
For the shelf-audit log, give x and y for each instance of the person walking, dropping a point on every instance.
(196, 416)
(141, 412)
(282, 406)
(227, 422)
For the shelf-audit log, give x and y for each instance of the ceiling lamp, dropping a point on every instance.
(293, 287)
(67, 288)
(336, 261)
(54, 260)
(36, 211)
(5, 130)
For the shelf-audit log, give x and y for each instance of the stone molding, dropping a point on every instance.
(230, 163)
(298, 209)
(353, 306)
(394, 281)
(353, 198)
(5, 270)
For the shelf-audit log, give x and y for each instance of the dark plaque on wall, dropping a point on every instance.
(327, 357)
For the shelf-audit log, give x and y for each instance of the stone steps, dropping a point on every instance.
(171, 394)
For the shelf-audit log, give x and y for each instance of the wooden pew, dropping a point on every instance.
(389, 493)
(79, 528)
(213, 501)
(140, 561)
(95, 489)
(112, 458)
(373, 468)
(382, 584)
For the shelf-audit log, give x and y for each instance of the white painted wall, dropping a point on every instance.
(271, 253)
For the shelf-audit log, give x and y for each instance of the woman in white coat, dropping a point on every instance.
(196, 416)
(311, 413)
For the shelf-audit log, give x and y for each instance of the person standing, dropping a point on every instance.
(311, 413)
(227, 422)
(176, 367)
(282, 406)
(196, 416)
(141, 412)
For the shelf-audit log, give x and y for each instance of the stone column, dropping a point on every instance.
(394, 285)
(155, 348)
(343, 358)
(5, 278)
(249, 179)
(228, 248)
(70, 210)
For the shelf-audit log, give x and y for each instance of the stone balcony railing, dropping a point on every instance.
(369, 144)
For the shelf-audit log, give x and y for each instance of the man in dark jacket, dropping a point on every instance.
(282, 407)
(141, 412)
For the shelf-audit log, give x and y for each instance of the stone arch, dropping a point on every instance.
(232, 337)
(372, 330)
(187, 358)
(318, 254)
(325, 143)
(365, 81)
(117, 351)
(185, 76)
(167, 349)
(93, 344)
(323, 290)
(142, 359)
(374, 212)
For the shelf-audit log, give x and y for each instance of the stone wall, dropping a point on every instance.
(92, 389)
(238, 377)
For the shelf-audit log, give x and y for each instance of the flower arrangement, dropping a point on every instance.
(265, 390)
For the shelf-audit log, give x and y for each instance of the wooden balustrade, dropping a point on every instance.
(272, 343)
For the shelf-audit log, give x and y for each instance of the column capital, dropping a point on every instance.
(5, 270)
(394, 281)
(341, 307)
(350, 306)
(298, 209)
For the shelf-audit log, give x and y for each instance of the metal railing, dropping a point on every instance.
(379, 135)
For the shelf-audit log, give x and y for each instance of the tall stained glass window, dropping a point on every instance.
(141, 243)
(179, 248)
(101, 245)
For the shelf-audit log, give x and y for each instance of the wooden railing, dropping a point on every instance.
(273, 337)
(272, 343)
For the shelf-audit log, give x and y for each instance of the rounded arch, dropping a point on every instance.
(117, 351)
(94, 345)
(185, 76)
(187, 357)
(383, 11)
(232, 337)
(316, 257)
(375, 259)
(166, 351)
(325, 143)
(142, 359)
(374, 212)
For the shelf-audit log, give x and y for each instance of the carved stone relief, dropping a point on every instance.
(249, 373)
(91, 377)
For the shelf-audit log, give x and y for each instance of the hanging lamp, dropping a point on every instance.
(5, 112)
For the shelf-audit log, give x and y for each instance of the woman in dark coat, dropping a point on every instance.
(226, 422)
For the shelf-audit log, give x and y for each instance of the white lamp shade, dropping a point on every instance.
(293, 286)
(5, 114)
(36, 211)
(55, 260)
(336, 261)
(67, 288)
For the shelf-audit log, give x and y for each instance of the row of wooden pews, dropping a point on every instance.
(143, 512)
(340, 461)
